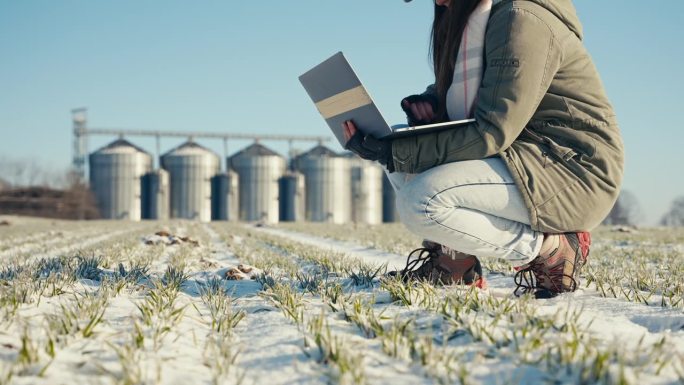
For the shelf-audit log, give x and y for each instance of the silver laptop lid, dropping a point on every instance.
(338, 94)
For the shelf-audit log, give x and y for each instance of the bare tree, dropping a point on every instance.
(28, 172)
(18, 173)
(625, 212)
(675, 216)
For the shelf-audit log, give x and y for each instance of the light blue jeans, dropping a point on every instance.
(472, 206)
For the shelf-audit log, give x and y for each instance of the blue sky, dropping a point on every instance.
(233, 66)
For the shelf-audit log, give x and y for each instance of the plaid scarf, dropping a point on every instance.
(462, 93)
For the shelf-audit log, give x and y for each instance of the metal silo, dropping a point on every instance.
(328, 185)
(115, 172)
(292, 194)
(389, 201)
(366, 184)
(225, 196)
(259, 169)
(191, 168)
(155, 195)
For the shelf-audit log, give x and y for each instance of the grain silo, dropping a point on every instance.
(225, 196)
(366, 184)
(115, 179)
(292, 197)
(259, 169)
(328, 185)
(155, 195)
(191, 168)
(389, 201)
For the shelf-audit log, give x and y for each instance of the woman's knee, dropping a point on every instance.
(411, 205)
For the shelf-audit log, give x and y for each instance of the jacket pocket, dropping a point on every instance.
(560, 153)
(402, 157)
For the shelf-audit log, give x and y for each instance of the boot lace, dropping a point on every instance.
(418, 259)
(527, 280)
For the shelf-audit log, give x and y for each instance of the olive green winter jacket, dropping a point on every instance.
(542, 108)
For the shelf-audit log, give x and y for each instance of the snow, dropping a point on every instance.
(367, 254)
(268, 347)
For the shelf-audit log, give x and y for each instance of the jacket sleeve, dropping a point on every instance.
(431, 90)
(522, 57)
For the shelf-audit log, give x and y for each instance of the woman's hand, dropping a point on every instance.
(349, 130)
(367, 146)
(419, 109)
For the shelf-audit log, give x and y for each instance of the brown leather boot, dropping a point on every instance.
(556, 271)
(439, 264)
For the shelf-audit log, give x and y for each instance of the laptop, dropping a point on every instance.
(339, 95)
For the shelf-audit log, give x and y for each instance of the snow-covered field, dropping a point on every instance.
(152, 302)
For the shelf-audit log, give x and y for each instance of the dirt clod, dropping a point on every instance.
(164, 237)
(241, 272)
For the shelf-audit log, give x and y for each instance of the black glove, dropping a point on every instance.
(370, 148)
(412, 120)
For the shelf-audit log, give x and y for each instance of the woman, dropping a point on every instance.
(538, 169)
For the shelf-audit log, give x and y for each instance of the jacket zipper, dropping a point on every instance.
(553, 148)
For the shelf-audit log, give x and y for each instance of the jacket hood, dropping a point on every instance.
(565, 11)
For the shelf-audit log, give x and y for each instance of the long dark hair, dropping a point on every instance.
(445, 39)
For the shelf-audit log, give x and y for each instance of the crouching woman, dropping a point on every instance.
(540, 166)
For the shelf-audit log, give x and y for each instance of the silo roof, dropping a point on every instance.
(320, 151)
(120, 145)
(256, 149)
(190, 148)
